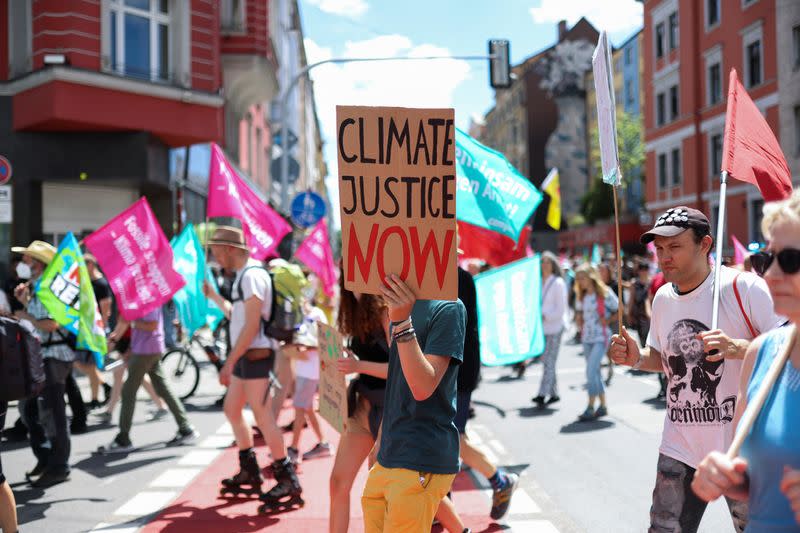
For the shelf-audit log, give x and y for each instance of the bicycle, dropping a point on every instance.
(182, 369)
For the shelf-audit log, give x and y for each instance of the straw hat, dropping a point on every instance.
(41, 251)
(228, 236)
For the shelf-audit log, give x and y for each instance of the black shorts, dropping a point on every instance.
(463, 399)
(245, 369)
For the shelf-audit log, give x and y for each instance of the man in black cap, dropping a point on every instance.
(702, 367)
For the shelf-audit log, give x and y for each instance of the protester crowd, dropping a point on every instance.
(416, 363)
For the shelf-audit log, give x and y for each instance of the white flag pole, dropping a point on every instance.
(723, 189)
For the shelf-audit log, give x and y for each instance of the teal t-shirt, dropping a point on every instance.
(421, 436)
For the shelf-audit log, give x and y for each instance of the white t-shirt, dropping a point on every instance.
(309, 368)
(701, 395)
(554, 305)
(255, 282)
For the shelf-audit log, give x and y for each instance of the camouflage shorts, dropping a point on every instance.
(676, 508)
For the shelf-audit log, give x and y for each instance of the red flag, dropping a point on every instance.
(750, 150)
(315, 251)
(493, 248)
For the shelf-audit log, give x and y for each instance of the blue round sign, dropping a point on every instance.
(308, 208)
(5, 170)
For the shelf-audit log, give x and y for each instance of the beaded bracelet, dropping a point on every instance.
(406, 337)
(409, 331)
(402, 324)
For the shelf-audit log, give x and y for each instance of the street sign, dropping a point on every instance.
(6, 214)
(308, 208)
(292, 138)
(275, 169)
(5, 170)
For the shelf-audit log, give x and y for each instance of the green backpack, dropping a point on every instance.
(288, 282)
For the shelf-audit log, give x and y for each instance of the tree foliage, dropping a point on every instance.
(598, 202)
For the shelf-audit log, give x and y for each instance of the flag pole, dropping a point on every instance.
(754, 408)
(619, 262)
(723, 190)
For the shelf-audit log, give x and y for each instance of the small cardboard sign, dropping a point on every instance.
(397, 192)
(332, 384)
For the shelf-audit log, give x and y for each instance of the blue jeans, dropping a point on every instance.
(594, 353)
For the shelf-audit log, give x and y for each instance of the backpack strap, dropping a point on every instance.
(741, 306)
(236, 291)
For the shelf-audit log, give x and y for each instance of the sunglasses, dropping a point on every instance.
(788, 260)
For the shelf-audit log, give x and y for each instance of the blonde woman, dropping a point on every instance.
(598, 304)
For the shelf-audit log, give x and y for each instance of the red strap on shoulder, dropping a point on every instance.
(741, 307)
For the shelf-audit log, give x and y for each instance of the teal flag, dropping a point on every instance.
(510, 312)
(490, 192)
(194, 309)
(65, 290)
(597, 255)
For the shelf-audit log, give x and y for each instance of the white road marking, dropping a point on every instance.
(216, 441)
(522, 504)
(146, 503)
(532, 526)
(198, 458)
(498, 446)
(126, 527)
(176, 478)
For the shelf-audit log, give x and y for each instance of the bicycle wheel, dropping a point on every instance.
(181, 371)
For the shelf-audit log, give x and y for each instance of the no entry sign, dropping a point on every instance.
(5, 170)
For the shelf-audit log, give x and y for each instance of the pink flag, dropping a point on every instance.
(229, 196)
(316, 253)
(739, 251)
(651, 247)
(137, 260)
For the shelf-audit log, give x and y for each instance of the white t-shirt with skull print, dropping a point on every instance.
(701, 395)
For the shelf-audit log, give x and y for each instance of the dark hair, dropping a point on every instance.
(359, 318)
(698, 235)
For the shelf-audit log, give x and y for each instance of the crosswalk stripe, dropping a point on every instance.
(146, 503)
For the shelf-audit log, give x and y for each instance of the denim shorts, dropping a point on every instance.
(304, 390)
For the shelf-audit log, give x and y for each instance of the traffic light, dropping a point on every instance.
(499, 67)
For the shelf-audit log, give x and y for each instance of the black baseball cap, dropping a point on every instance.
(675, 221)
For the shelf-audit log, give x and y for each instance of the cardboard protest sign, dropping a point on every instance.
(332, 385)
(397, 191)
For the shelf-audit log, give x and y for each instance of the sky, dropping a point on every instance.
(392, 28)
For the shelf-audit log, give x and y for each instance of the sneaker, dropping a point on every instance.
(117, 446)
(323, 449)
(552, 400)
(587, 415)
(106, 393)
(104, 417)
(94, 404)
(293, 453)
(78, 428)
(37, 471)
(601, 411)
(538, 400)
(158, 414)
(501, 499)
(50, 478)
(184, 436)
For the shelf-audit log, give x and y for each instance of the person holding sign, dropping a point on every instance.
(417, 451)
(768, 472)
(703, 367)
(364, 320)
(247, 368)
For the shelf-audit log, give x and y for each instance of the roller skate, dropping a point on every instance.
(286, 495)
(248, 481)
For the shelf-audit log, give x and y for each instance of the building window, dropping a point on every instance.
(673, 31)
(712, 13)
(756, 214)
(660, 40)
(673, 103)
(676, 167)
(662, 171)
(715, 155)
(232, 16)
(748, 3)
(660, 109)
(628, 55)
(714, 84)
(753, 63)
(140, 38)
(629, 94)
(796, 41)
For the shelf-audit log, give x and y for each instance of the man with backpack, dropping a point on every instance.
(246, 371)
(47, 425)
(703, 367)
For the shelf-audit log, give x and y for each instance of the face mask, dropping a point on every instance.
(23, 271)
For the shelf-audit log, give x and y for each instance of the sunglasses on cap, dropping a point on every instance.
(788, 260)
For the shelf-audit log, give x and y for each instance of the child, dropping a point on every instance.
(307, 378)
